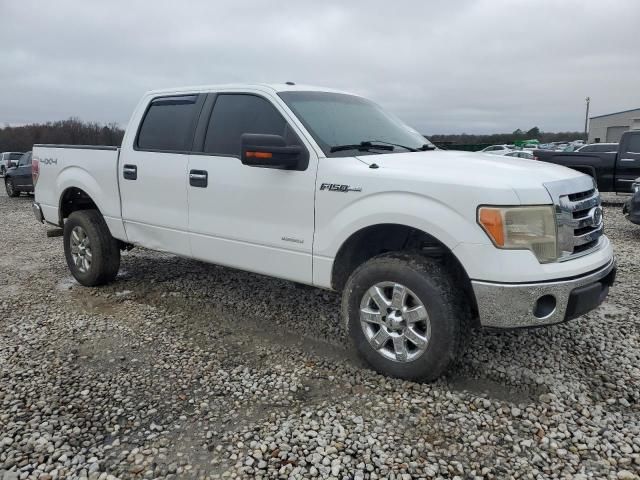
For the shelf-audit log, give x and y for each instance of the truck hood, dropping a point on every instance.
(525, 177)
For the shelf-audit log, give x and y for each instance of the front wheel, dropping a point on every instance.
(92, 254)
(11, 188)
(405, 315)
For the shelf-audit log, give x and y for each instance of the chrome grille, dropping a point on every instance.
(578, 216)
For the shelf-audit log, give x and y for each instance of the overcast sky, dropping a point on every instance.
(444, 67)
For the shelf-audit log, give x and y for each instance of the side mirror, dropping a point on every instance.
(270, 151)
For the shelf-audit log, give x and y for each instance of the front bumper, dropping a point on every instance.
(517, 305)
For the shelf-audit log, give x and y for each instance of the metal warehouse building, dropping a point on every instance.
(609, 128)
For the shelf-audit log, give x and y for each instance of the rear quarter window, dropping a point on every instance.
(168, 124)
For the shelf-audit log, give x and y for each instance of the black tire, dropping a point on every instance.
(105, 251)
(435, 287)
(3, 170)
(12, 191)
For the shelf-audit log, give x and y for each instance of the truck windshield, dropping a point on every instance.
(339, 121)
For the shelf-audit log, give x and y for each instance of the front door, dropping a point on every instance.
(628, 166)
(153, 175)
(252, 218)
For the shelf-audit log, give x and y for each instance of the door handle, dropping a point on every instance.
(198, 178)
(627, 159)
(130, 172)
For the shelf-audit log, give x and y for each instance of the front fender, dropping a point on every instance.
(335, 225)
(410, 209)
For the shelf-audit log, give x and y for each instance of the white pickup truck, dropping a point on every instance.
(327, 189)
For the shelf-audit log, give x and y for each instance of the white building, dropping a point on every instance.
(609, 128)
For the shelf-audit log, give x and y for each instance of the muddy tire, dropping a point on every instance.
(406, 315)
(10, 188)
(92, 254)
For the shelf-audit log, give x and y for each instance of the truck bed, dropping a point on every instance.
(65, 169)
(600, 166)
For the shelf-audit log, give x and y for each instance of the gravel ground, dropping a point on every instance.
(186, 370)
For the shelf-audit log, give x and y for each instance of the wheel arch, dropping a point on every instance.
(73, 199)
(377, 239)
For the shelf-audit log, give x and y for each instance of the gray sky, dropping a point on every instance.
(444, 67)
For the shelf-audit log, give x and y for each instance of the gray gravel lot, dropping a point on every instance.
(187, 370)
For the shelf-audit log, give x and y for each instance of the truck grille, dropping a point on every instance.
(578, 216)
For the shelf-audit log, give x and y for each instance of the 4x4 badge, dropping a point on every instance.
(336, 187)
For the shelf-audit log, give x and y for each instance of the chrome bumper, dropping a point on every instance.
(37, 212)
(509, 305)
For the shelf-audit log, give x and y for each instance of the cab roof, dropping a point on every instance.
(270, 87)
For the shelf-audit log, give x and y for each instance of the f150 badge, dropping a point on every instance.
(336, 187)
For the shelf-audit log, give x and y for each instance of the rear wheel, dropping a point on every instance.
(406, 315)
(11, 188)
(92, 254)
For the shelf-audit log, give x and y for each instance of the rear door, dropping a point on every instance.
(153, 174)
(252, 218)
(628, 163)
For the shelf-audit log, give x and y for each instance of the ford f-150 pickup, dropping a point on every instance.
(613, 171)
(325, 188)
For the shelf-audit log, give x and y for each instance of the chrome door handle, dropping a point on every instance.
(627, 159)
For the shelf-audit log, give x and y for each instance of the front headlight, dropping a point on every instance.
(522, 228)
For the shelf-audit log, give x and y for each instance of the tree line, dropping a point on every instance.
(508, 138)
(72, 131)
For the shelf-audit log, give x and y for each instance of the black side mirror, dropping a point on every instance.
(270, 151)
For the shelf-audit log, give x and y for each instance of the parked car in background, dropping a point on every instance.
(19, 179)
(631, 208)
(521, 154)
(613, 171)
(599, 147)
(8, 160)
(497, 149)
(325, 188)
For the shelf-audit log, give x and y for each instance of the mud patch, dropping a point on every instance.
(486, 387)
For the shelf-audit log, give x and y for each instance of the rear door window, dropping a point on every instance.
(168, 124)
(236, 114)
(633, 144)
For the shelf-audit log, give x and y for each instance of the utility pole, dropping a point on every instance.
(586, 119)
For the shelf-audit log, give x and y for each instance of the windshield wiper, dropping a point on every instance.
(362, 146)
(422, 148)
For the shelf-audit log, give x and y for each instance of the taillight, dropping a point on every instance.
(35, 171)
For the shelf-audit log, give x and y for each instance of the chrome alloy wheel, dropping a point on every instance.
(81, 249)
(395, 322)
